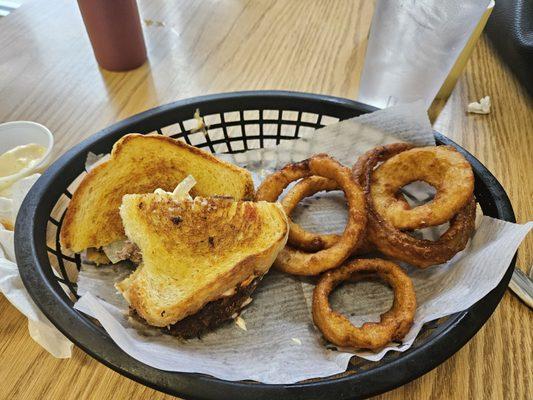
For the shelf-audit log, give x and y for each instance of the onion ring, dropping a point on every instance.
(394, 324)
(295, 261)
(442, 167)
(400, 245)
(306, 240)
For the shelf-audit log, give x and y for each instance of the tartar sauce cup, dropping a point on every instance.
(21, 133)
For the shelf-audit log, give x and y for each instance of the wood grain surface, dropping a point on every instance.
(48, 74)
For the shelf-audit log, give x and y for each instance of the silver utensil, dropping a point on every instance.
(522, 286)
(7, 6)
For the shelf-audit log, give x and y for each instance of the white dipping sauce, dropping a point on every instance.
(20, 158)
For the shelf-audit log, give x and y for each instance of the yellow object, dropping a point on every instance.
(20, 157)
(458, 67)
(141, 164)
(194, 251)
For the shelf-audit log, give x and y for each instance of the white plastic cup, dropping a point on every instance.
(19, 133)
(412, 47)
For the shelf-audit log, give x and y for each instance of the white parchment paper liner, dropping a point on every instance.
(281, 344)
(41, 330)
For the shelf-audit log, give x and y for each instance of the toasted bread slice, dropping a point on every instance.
(141, 164)
(196, 251)
(93, 256)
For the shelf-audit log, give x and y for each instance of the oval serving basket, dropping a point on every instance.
(237, 122)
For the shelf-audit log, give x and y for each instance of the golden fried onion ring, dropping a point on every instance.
(295, 261)
(442, 167)
(393, 325)
(400, 245)
(301, 238)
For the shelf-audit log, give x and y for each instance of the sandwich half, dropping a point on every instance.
(200, 259)
(141, 164)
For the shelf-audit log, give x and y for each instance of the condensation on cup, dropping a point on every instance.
(414, 45)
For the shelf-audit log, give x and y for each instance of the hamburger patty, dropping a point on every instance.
(213, 314)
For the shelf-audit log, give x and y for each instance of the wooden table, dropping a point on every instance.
(48, 74)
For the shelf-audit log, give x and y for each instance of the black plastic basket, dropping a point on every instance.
(237, 121)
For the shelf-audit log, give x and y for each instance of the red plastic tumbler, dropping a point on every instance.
(114, 28)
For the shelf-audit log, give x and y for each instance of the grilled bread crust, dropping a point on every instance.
(196, 251)
(141, 164)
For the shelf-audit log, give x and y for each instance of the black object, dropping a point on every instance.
(273, 116)
(510, 28)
